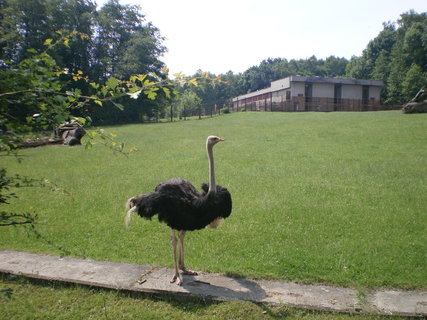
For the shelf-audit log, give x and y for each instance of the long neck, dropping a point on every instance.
(212, 185)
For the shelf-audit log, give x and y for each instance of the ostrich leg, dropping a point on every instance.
(181, 255)
(177, 277)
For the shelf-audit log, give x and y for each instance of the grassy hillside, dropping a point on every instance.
(318, 197)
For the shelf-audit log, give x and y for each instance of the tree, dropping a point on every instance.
(415, 44)
(188, 104)
(396, 56)
(335, 66)
(141, 53)
(382, 71)
(27, 89)
(10, 39)
(357, 69)
(414, 80)
(117, 43)
(124, 45)
(73, 16)
(32, 25)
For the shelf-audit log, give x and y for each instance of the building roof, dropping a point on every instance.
(361, 82)
(284, 83)
(256, 93)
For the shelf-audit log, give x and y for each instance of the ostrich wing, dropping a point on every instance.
(177, 187)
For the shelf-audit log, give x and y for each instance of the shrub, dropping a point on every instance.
(225, 110)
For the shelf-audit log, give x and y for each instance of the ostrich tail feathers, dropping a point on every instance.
(145, 205)
(128, 216)
(131, 208)
(129, 204)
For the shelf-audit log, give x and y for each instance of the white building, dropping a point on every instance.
(302, 93)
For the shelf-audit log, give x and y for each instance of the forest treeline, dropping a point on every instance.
(120, 42)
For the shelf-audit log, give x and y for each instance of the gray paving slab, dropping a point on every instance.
(144, 278)
(399, 302)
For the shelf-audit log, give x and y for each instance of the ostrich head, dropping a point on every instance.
(213, 140)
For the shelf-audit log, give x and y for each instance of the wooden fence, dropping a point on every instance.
(298, 104)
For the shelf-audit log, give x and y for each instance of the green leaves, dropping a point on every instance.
(151, 93)
(118, 105)
(112, 83)
(167, 92)
(397, 55)
(94, 85)
(138, 77)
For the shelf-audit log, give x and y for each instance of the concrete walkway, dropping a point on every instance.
(144, 278)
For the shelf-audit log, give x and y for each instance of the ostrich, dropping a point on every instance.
(178, 204)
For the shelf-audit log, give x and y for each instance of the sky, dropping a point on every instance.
(233, 35)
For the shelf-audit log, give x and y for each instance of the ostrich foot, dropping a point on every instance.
(177, 279)
(188, 272)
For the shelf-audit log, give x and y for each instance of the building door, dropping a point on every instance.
(337, 92)
(337, 95)
(308, 92)
(365, 94)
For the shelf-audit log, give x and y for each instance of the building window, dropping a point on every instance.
(288, 95)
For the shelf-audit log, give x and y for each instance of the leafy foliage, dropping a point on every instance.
(397, 56)
(189, 103)
(112, 42)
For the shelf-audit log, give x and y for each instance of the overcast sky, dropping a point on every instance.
(223, 35)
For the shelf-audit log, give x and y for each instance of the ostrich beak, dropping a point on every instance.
(220, 139)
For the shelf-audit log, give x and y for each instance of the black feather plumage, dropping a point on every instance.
(178, 204)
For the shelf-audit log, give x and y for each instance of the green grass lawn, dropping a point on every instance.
(337, 198)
